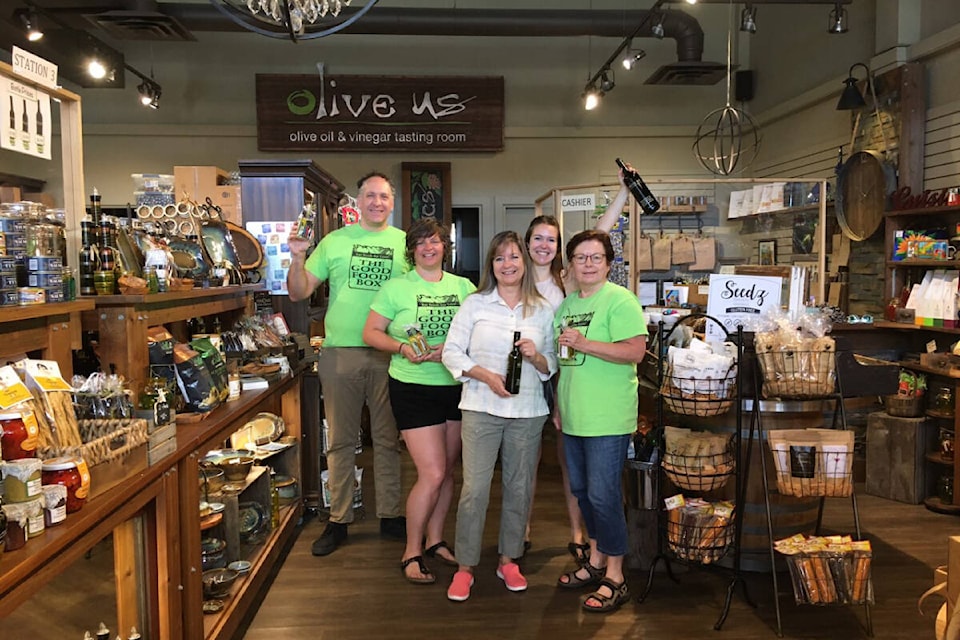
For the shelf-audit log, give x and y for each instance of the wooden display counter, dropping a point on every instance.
(52, 329)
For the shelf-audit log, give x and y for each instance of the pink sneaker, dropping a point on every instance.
(459, 589)
(511, 576)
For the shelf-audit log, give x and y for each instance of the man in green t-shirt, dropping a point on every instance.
(355, 260)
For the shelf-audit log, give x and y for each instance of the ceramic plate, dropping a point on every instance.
(189, 259)
(240, 566)
(252, 517)
(218, 241)
(212, 606)
(263, 428)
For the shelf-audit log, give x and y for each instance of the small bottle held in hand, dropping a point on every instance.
(514, 363)
(416, 339)
(305, 222)
(564, 351)
(639, 189)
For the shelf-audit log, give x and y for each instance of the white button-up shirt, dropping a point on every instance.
(481, 334)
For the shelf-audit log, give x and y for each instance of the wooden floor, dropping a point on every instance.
(358, 592)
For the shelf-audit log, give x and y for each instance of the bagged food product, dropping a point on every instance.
(54, 399)
(215, 365)
(196, 384)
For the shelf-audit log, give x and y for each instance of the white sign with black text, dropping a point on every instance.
(25, 122)
(740, 300)
(578, 202)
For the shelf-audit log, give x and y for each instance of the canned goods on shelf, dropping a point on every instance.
(45, 280)
(44, 263)
(32, 295)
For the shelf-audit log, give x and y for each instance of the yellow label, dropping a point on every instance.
(84, 488)
(33, 431)
(50, 383)
(14, 394)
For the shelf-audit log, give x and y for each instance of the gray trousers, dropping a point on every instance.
(517, 440)
(349, 376)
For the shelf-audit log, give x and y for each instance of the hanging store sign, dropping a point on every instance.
(25, 122)
(379, 113)
(578, 202)
(34, 68)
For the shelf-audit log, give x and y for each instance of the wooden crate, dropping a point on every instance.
(106, 475)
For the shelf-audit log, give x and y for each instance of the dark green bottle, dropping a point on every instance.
(514, 364)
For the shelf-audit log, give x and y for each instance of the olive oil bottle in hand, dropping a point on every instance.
(514, 363)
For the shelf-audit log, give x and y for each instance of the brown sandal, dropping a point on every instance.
(594, 575)
(580, 552)
(619, 593)
(428, 578)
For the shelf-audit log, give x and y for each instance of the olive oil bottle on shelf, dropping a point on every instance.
(514, 365)
(12, 132)
(25, 128)
(38, 136)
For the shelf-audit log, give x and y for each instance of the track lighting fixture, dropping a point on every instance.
(838, 19)
(748, 19)
(31, 23)
(606, 82)
(851, 98)
(591, 98)
(149, 94)
(632, 58)
(657, 29)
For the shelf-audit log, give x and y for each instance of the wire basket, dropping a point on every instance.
(831, 577)
(797, 373)
(699, 537)
(699, 472)
(703, 397)
(903, 406)
(804, 471)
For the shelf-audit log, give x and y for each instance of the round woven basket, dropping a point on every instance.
(903, 406)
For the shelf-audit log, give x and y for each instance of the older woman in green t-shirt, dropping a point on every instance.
(603, 324)
(423, 394)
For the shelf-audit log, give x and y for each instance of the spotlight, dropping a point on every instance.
(149, 94)
(96, 69)
(838, 19)
(748, 19)
(632, 58)
(591, 98)
(851, 98)
(657, 30)
(32, 25)
(606, 83)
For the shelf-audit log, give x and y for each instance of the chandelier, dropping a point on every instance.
(294, 19)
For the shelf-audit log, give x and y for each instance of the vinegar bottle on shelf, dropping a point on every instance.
(514, 365)
(639, 189)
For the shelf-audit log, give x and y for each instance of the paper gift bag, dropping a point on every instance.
(706, 252)
(681, 248)
(662, 254)
(644, 253)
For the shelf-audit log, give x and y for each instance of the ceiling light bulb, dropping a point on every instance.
(96, 69)
(591, 99)
(633, 58)
(32, 26)
(838, 19)
(691, 1)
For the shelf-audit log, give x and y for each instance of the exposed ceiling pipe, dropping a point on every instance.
(485, 22)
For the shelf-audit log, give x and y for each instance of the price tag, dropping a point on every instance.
(674, 502)
(932, 346)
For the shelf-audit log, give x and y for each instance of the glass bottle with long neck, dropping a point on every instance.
(25, 128)
(514, 366)
(12, 133)
(639, 189)
(38, 136)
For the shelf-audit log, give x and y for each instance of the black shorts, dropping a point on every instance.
(421, 405)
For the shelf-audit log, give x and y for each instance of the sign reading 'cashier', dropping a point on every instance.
(383, 113)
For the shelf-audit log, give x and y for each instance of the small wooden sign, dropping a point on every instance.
(426, 192)
(379, 113)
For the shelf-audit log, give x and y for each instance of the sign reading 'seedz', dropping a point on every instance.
(382, 113)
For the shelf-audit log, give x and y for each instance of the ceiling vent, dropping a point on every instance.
(141, 25)
(692, 72)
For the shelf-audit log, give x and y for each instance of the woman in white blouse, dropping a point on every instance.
(494, 421)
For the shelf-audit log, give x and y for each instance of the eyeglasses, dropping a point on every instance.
(595, 258)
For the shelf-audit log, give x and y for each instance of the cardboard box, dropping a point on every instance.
(227, 197)
(10, 194)
(196, 182)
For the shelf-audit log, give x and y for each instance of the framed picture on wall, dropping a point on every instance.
(425, 192)
(767, 252)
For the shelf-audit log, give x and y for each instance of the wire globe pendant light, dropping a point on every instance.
(294, 19)
(728, 139)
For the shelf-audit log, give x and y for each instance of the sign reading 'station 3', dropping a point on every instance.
(382, 113)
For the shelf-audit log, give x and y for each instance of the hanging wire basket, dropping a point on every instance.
(703, 397)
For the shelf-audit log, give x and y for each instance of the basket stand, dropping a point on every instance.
(703, 558)
(839, 422)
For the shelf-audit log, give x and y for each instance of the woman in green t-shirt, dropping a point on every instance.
(603, 324)
(409, 318)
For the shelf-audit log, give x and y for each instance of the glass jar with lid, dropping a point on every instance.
(941, 403)
(73, 474)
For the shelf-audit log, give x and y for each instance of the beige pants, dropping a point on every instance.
(350, 376)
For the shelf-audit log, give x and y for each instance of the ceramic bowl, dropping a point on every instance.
(213, 477)
(218, 582)
(212, 553)
(236, 468)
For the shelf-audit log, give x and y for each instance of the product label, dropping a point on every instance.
(84, 489)
(674, 502)
(57, 514)
(33, 431)
(12, 389)
(35, 525)
(34, 487)
(234, 389)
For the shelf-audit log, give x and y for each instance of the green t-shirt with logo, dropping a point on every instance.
(356, 262)
(597, 397)
(410, 299)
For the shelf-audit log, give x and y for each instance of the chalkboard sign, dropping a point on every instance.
(426, 192)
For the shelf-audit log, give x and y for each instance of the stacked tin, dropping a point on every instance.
(43, 260)
(13, 250)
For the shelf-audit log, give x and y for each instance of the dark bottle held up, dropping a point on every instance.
(645, 198)
(514, 364)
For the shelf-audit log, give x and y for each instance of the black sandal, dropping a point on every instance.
(429, 577)
(619, 593)
(431, 552)
(594, 575)
(580, 552)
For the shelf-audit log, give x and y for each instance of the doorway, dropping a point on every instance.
(465, 237)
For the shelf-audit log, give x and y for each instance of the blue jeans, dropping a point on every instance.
(595, 468)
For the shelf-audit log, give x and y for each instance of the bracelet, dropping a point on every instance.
(400, 348)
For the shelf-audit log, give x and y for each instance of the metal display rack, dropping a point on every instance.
(702, 543)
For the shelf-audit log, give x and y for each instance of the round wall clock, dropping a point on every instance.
(864, 185)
